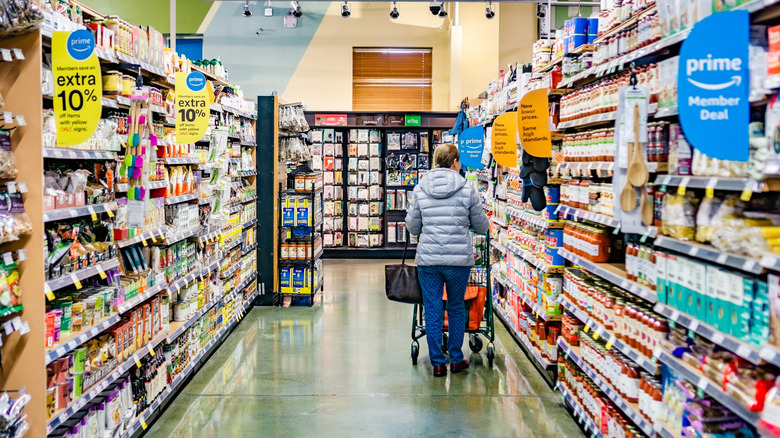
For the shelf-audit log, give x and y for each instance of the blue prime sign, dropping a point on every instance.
(471, 143)
(713, 86)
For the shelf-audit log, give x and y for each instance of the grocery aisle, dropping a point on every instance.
(343, 369)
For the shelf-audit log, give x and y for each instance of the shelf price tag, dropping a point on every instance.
(595, 335)
(151, 352)
(76, 281)
(109, 213)
(746, 195)
(49, 294)
(143, 425)
(101, 272)
(77, 86)
(710, 190)
(683, 185)
(143, 242)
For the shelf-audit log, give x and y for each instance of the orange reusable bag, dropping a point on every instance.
(475, 303)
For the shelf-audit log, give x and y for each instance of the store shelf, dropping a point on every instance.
(521, 337)
(72, 340)
(184, 281)
(210, 235)
(76, 212)
(77, 405)
(703, 182)
(631, 410)
(248, 144)
(160, 286)
(587, 121)
(181, 198)
(711, 254)
(614, 274)
(735, 345)
(534, 219)
(236, 208)
(172, 236)
(81, 275)
(177, 328)
(667, 111)
(539, 264)
(501, 248)
(251, 247)
(624, 348)
(152, 235)
(579, 411)
(249, 224)
(232, 245)
(139, 423)
(664, 431)
(231, 270)
(247, 174)
(247, 282)
(210, 268)
(157, 185)
(249, 199)
(77, 154)
(182, 160)
(709, 387)
(498, 221)
(589, 216)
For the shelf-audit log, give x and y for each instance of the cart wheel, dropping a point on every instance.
(415, 352)
(445, 343)
(475, 343)
(490, 355)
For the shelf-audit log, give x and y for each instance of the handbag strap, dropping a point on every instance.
(403, 261)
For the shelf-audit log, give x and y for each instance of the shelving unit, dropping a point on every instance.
(27, 358)
(294, 273)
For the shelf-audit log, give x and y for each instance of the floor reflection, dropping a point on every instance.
(343, 368)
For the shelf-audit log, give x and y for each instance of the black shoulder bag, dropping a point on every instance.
(401, 283)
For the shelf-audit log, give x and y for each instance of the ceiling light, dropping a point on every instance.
(489, 12)
(269, 11)
(346, 11)
(394, 13)
(436, 7)
(247, 11)
(296, 9)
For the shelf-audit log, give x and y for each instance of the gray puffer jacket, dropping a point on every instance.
(443, 206)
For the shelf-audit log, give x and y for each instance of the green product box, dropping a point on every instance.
(66, 308)
(697, 308)
(740, 312)
(711, 292)
(685, 275)
(79, 359)
(78, 385)
(662, 288)
(672, 268)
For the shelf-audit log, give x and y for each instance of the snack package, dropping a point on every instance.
(679, 216)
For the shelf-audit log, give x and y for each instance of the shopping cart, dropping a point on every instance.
(479, 307)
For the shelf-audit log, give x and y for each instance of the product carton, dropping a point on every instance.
(742, 328)
(662, 286)
(302, 213)
(672, 266)
(724, 306)
(685, 279)
(698, 307)
(760, 322)
(298, 282)
(738, 325)
(288, 212)
(773, 56)
(711, 282)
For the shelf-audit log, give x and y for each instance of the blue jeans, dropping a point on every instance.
(432, 280)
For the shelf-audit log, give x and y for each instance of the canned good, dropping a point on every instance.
(285, 251)
(112, 83)
(301, 251)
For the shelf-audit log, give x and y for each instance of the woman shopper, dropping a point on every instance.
(443, 206)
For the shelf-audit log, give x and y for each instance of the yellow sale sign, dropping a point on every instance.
(504, 139)
(533, 124)
(192, 107)
(78, 86)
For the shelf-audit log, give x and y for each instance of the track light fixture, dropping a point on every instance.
(436, 7)
(346, 10)
(443, 11)
(269, 11)
(394, 13)
(296, 9)
(247, 11)
(489, 12)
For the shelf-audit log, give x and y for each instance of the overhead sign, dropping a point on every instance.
(330, 120)
(505, 139)
(713, 86)
(413, 120)
(192, 107)
(78, 86)
(533, 124)
(471, 143)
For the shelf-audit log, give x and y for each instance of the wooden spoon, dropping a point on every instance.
(645, 207)
(628, 193)
(637, 169)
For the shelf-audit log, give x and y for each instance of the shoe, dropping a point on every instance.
(458, 367)
(440, 371)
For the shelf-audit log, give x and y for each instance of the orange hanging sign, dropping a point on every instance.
(504, 139)
(533, 124)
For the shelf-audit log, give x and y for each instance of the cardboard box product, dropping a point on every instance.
(699, 292)
(285, 280)
(662, 287)
(298, 281)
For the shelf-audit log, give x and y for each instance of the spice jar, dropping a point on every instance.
(285, 251)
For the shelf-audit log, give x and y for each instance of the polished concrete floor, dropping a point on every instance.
(343, 369)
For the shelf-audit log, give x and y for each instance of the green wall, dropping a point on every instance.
(155, 13)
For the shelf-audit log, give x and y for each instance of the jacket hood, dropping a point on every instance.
(441, 183)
